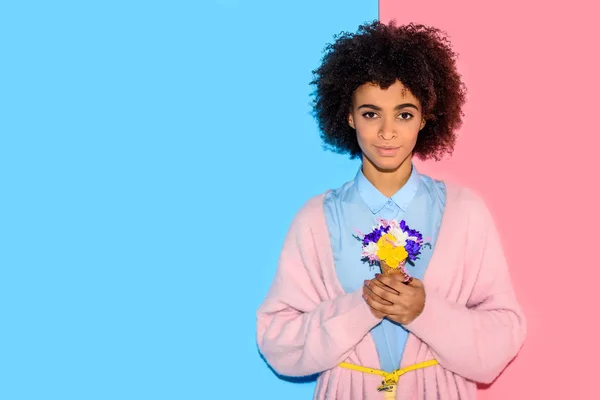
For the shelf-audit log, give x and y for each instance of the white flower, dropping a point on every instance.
(400, 236)
(370, 249)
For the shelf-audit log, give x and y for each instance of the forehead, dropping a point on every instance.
(373, 93)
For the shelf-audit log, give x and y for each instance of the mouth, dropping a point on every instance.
(387, 151)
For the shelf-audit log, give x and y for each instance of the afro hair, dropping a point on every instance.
(419, 56)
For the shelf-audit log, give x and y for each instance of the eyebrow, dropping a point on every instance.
(398, 107)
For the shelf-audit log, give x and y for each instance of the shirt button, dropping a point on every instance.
(389, 202)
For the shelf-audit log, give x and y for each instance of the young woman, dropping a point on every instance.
(385, 94)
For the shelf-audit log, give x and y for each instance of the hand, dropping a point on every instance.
(387, 295)
(365, 296)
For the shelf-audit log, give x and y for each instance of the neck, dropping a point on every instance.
(387, 182)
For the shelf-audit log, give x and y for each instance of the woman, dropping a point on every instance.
(385, 94)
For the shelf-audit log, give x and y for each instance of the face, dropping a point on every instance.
(387, 123)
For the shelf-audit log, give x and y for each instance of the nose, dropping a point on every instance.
(388, 129)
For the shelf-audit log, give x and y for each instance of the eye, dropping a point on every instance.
(405, 116)
(369, 115)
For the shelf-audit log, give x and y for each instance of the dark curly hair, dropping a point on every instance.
(419, 56)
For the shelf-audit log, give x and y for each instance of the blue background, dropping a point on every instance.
(152, 156)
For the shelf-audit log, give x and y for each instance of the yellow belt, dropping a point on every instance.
(390, 379)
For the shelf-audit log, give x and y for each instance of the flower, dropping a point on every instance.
(370, 251)
(389, 252)
(400, 236)
(375, 234)
(391, 242)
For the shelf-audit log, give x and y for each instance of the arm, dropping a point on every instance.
(300, 330)
(476, 340)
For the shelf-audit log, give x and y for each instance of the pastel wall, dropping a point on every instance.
(152, 155)
(529, 145)
(134, 136)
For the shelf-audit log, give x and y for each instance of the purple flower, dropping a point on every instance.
(411, 232)
(413, 249)
(375, 235)
(403, 226)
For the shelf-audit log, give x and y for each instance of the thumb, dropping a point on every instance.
(416, 283)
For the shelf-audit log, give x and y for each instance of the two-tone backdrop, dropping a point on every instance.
(153, 154)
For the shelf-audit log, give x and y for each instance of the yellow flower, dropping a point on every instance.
(386, 251)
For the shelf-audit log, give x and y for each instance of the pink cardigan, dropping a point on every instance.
(472, 323)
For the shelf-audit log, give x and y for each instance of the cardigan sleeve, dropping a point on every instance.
(300, 330)
(478, 339)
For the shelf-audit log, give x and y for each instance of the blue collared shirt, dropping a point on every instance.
(356, 206)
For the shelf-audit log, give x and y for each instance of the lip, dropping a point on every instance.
(387, 151)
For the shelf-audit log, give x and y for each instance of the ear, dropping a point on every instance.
(423, 122)
(351, 121)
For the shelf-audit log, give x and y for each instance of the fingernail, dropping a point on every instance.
(366, 283)
(377, 275)
(364, 296)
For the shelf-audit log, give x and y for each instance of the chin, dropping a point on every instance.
(386, 164)
(390, 164)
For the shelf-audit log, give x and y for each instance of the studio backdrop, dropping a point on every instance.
(153, 155)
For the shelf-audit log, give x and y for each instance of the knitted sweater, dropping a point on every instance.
(472, 323)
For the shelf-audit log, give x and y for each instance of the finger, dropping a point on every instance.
(384, 291)
(401, 319)
(378, 314)
(415, 283)
(377, 306)
(374, 291)
(394, 281)
(375, 282)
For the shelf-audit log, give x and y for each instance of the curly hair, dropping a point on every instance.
(419, 56)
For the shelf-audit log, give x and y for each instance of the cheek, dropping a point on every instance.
(364, 140)
(414, 135)
(360, 136)
(411, 132)
(366, 132)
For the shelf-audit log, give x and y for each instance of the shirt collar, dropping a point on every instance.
(375, 200)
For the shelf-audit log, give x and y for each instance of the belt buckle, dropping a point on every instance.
(386, 386)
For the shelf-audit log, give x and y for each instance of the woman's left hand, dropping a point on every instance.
(402, 303)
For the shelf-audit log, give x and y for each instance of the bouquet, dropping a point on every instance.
(391, 244)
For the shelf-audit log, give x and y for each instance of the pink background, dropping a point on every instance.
(529, 146)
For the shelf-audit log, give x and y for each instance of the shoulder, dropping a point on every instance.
(466, 198)
(436, 189)
(313, 206)
(308, 228)
(315, 209)
(470, 205)
(310, 213)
